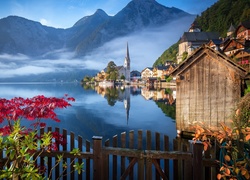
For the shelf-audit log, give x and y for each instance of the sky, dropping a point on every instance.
(144, 47)
(64, 13)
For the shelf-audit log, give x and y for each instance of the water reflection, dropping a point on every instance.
(92, 114)
(165, 98)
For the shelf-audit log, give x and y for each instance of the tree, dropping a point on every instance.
(112, 72)
(123, 77)
(21, 144)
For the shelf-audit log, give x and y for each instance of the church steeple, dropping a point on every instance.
(127, 65)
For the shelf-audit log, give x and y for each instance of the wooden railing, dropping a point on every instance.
(132, 155)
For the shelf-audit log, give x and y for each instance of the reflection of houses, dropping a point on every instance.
(193, 39)
(208, 86)
(159, 95)
(147, 94)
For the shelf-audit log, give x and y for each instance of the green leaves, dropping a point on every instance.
(78, 167)
(21, 144)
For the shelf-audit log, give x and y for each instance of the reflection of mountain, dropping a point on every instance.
(168, 110)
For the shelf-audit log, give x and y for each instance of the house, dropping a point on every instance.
(233, 46)
(238, 48)
(135, 75)
(146, 73)
(243, 31)
(193, 39)
(215, 44)
(208, 86)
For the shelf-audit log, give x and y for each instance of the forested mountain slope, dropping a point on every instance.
(217, 18)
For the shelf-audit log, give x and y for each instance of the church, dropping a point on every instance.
(125, 69)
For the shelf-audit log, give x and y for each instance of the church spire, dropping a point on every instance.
(127, 52)
(127, 65)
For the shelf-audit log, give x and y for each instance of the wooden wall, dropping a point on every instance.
(207, 91)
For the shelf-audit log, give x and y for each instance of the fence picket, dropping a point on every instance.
(131, 146)
(115, 143)
(166, 161)
(65, 149)
(123, 145)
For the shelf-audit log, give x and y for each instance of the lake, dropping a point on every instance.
(100, 111)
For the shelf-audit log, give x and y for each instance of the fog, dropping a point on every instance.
(144, 49)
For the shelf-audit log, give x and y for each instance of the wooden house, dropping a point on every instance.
(208, 86)
(243, 31)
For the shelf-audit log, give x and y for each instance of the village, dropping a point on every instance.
(236, 47)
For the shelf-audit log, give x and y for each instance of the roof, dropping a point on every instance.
(199, 36)
(198, 53)
(231, 28)
(162, 67)
(150, 68)
(194, 25)
(245, 24)
(216, 41)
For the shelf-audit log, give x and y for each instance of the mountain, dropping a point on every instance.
(137, 15)
(32, 47)
(20, 35)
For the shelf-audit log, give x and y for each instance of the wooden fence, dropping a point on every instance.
(133, 155)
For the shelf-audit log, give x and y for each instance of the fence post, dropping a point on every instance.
(197, 149)
(97, 160)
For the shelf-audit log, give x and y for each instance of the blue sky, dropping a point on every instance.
(64, 13)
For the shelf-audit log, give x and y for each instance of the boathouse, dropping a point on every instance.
(208, 86)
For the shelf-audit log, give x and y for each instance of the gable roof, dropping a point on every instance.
(150, 68)
(204, 49)
(199, 36)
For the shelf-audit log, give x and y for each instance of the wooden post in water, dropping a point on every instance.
(97, 161)
(197, 149)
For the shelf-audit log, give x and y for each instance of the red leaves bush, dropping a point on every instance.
(34, 109)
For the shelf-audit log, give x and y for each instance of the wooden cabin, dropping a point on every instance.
(208, 86)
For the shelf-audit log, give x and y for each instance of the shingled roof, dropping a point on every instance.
(199, 36)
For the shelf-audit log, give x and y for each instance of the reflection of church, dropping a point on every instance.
(127, 101)
(124, 95)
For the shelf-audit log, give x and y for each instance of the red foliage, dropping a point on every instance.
(36, 108)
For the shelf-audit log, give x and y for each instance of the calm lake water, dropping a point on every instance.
(97, 114)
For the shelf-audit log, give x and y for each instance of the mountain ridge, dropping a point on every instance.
(87, 33)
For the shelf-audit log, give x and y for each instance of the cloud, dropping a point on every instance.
(25, 70)
(44, 22)
(13, 57)
(144, 47)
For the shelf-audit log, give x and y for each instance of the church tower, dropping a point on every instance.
(127, 66)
